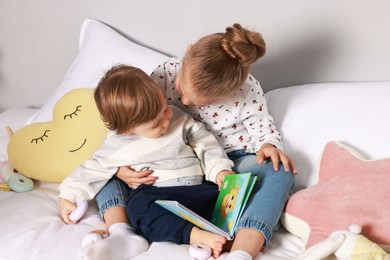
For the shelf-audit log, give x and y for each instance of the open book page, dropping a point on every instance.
(187, 214)
(230, 204)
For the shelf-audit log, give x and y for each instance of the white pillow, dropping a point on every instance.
(100, 47)
(309, 116)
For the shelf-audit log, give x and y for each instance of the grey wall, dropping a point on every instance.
(308, 40)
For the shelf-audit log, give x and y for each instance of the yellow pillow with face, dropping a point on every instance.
(50, 151)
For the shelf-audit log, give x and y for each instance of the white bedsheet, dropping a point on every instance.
(30, 227)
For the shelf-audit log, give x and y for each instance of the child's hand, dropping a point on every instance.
(221, 175)
(276, 155)
(134, 178)
(66, 207)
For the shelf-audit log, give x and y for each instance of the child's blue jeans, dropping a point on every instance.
(269, 195)
(114, 193)
(264, 207)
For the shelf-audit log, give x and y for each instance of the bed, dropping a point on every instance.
(308, 115)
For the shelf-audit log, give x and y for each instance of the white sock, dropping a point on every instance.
(223, 256)
(236, 255)
(90, 239)
(122, 243)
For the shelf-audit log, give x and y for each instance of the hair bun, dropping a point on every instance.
(244, 45)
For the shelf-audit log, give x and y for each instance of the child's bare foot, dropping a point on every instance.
(214, 241)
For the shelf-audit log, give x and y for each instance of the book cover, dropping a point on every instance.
(232, 198)
(231, 201)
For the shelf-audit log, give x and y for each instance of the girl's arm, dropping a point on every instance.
(256, 119)
(259, 124)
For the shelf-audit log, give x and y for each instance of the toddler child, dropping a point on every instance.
(147, 133)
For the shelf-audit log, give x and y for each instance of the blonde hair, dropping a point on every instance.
(219, 63)
(127, 97)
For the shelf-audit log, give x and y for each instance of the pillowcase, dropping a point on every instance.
(50, 151)
(309, 116)
(350, 190)
(100, 47)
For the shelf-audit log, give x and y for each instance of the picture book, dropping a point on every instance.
(231, 201)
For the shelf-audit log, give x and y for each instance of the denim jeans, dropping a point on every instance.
(269, 194)
(263, 209)
(114, 193)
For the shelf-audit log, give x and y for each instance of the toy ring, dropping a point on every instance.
(16, 181)
(20, 183)
(200, 251)
(76, 214)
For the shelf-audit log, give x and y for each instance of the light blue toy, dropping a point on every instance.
(16, 181)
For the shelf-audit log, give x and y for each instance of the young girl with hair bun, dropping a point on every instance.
(212, 83)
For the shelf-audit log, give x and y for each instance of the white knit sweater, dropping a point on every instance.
(187, 149)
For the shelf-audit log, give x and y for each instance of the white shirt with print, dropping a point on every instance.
(241, 122)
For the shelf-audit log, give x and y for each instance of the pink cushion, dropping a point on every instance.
(350, 191)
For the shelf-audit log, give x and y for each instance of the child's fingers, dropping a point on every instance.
(260, 157)
(144, 174)
(66, 207)
(65, 217)
(219, 185)
(293, 167)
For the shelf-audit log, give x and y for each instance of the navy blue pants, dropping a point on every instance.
(158, 224)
